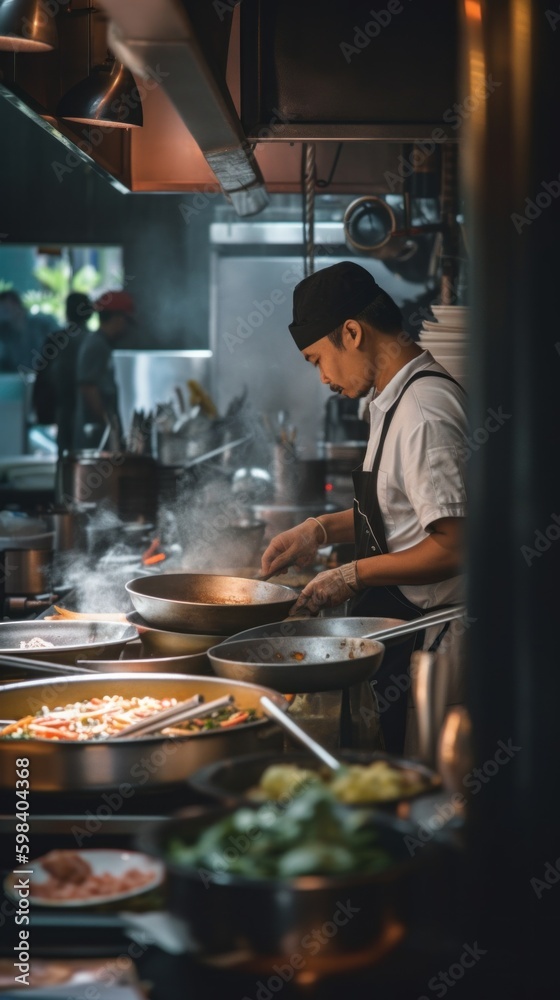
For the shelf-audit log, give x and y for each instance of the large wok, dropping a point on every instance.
(200, 602)
(162, 642)
(298, 665)
(145, 763)
(354, 628)
(385, 630)
(73, 639)
(303, 663)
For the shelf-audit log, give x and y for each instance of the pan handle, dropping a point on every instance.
(42, 666)
(408, 628)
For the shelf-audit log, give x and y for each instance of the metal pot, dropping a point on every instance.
(69, 527)
(270, 919)
(297, 480)
(238, 543)
(280, 517)
(25, 571)
(147, 762)
(127, 482)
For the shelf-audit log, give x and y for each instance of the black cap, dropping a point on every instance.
(327, 298)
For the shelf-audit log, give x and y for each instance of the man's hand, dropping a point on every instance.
(328, 589)
(296, 546)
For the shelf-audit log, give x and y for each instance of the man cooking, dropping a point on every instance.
(410, 501)
(98, 419)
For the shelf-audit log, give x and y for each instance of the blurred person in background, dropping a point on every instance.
(97, 416)
(22, 334)
(55, 387)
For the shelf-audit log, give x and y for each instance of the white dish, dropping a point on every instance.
(450, 310)
(429, 337)
(443, 325)
(101, 860)
(444, 331)
(426, 338)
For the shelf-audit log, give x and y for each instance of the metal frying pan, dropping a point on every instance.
(349, 628)
(298, 665)
(208, 603)
(306, 663)
(159, 642)
(71, 639)
(385, 630)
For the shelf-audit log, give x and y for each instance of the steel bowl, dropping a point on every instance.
(229, 782)
(271, 920)
(72, 639)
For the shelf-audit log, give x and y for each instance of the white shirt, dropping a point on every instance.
(422, 472)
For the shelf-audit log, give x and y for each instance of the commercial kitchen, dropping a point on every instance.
(229, 764)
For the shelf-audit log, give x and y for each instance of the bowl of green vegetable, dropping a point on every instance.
(303, 878)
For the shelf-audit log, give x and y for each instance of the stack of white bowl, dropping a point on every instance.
(447, 339)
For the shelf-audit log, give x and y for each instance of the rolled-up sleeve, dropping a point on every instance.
(433, 464)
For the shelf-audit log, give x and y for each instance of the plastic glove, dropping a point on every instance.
(328, 589)
(295, 547)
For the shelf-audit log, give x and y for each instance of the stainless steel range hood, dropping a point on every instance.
(146, 35)
(230, 91)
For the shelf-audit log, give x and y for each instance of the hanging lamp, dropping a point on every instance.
(108, 96)
(26, 26)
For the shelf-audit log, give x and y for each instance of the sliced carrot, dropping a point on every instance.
(235, 720)
(11, 728)
(50, 733)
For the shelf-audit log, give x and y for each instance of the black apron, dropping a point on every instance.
(392, 680)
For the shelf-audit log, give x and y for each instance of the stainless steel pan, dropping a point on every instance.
(195, 664)
(207, 603)
(161, 642)
(298, 665)
(349, 628)
(72, 639)
(313, 663)
(144, 764)
(385, 630)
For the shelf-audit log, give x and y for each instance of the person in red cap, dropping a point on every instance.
(97, 389)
